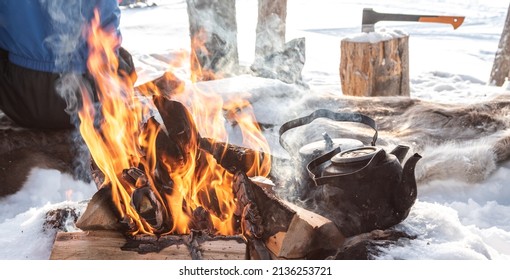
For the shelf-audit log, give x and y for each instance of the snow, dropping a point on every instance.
(374, 37)
(453, 218)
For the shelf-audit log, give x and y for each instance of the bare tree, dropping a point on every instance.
(270, 27)
(501, 66)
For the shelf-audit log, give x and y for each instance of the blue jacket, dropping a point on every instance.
(49, 35)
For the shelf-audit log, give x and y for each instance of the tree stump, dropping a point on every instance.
(213, 31)
(375, 64)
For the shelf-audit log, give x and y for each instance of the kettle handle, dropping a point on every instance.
(318, 180)
(324, 113)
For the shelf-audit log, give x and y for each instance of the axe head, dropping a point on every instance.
(368, 20)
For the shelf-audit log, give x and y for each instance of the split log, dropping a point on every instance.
(100, 213)
(213, 31)
(112, 245)
(289, 231)
(375, 64)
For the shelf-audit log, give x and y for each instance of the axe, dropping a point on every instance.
(370, 18)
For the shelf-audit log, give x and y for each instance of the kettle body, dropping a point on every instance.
(364, 189)
(359, 187)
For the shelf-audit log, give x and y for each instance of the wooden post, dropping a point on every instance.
(213, 31)
(270, 34)
(501, 67)
(375, 64)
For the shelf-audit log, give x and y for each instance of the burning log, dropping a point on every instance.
(202, 220)
(145, 201)
(231, 157)
(180, 128)
(289, 231)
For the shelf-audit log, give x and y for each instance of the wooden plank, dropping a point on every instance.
(106, 245)
(224, 250)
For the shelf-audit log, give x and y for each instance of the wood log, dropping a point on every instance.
(100, 213)
(375, 67)
(289, 231)
(111, 245)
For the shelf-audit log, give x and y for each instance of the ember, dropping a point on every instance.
(166, 178)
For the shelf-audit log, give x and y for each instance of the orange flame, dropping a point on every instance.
(118, 140)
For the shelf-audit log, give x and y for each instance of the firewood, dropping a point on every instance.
(100, 213)
(289, 231)
(180, 128)
(231, 157)
(113, 245)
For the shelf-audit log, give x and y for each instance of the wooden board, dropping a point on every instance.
(106, 245)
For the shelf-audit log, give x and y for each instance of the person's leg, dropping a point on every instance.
(29, 97)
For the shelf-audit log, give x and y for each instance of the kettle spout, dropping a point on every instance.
(400, 152)
(405, 198)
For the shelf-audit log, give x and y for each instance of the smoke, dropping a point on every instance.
(68, 24)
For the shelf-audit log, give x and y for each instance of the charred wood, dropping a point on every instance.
(199, 245)
(201, 220)
(180, 129)
(62, 219)
(231, 157)
(145, 200)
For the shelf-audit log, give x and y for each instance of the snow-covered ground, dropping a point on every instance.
(453, 219)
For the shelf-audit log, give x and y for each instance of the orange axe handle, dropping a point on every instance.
(454, 21)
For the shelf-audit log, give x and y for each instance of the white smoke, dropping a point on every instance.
(68, 25)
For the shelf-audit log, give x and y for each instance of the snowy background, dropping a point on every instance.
(453, 219)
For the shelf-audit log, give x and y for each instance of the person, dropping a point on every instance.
(41, 43)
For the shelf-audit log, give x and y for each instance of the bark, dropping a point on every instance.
(270, 27)
(375, 69)
(213, 31)
(501, 67)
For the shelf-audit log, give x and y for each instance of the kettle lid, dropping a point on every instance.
(321, 146)
(355, 155)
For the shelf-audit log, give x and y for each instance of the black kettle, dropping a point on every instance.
(362, 188)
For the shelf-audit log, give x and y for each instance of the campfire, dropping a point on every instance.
(167, 173)
(169, 177)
